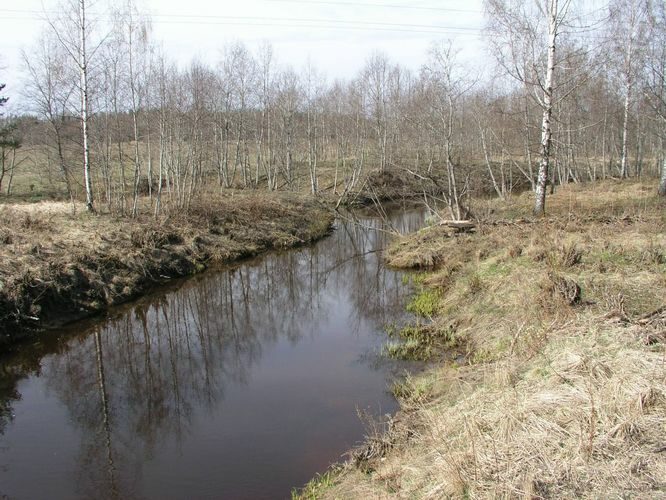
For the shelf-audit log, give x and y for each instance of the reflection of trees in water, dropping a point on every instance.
(376, 293)
(137, 378)
(8, 395)
(12, 370)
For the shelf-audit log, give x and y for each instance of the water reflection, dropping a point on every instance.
(240, 384)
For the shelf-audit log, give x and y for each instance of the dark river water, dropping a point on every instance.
(239, 383)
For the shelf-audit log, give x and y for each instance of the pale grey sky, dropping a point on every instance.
(337, 35)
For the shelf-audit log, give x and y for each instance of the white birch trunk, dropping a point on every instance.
(624, 168)
(135, 123)
(542, 177)
(628, 82)
(83, 69)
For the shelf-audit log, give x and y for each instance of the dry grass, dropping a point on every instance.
(583, 419)
(562, 393)
(38, 179)
(57, 265)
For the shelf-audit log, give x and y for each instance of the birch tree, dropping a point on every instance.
(288, 102)
(656, 78)
(376, 77)
(133, 30)
(525, 35)
(9, 142)
(313, 89)
(240, 72)
(264, 133)
(627, 35)
(82, 63)
(73, 31)
(446, 87)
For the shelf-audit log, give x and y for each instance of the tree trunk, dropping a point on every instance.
(83, 68)
(12, 165)
(486, 156)
(542, 177)
(624, 168)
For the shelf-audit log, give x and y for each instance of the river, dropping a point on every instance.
(238, 383)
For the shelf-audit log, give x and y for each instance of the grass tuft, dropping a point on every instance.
(425, 303)
(316, 486)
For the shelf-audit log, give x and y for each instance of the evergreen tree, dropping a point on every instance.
(8, 141)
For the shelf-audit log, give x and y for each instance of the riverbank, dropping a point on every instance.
(547, 339)
(57, 266)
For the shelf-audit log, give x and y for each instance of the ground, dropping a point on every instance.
(546, 341)
(59, 263)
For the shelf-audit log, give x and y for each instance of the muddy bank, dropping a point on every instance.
(56, 267)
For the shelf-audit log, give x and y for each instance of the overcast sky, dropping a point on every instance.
(337, 35)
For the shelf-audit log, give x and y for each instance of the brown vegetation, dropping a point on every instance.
(392, 185)
(56, 266)
(561, 389)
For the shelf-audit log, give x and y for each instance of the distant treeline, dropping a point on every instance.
(155, 129)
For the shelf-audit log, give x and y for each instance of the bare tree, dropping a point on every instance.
(446, 86)
(518, 27)
(240, 71)
(73, 31)
(264, 134)
(656, 78)
(9, 143)
(376, 75)
(132, 30)
(313, 89)
(627, 31)
(287, 101)
(82, 62)
(50, 89)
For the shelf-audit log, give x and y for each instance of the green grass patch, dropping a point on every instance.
(495, 270)
(413, 390)
(411, 350)
(422, 343)
(316, 487)
(618, 258)
(425, 303)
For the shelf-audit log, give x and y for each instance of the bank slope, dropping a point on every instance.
(56, 266)
(549, 337)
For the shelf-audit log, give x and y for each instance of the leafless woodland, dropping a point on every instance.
(575, 94)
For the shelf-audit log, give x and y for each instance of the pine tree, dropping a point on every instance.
(8, 141)
(7, 138)
(3, 100)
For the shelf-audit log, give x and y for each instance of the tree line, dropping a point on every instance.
(573, 96)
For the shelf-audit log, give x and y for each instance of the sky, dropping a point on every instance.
(336, 35)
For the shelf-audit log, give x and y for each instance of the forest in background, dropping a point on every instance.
(575, 95)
